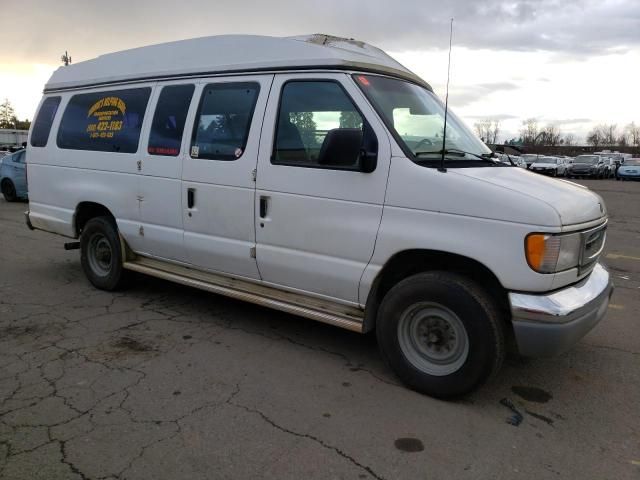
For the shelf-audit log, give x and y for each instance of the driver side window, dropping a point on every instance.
(318, 126)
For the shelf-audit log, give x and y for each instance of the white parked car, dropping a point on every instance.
(554, 166)
(308, 174)
(513, 160)
(530, 158)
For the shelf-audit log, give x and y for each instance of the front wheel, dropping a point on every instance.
(101, 254)
(440, 333)
(9, 191)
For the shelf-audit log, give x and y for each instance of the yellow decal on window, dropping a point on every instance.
(107, 116)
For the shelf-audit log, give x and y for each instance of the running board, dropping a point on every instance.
(350, 318)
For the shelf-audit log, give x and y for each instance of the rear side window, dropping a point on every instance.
(169, 119)
(223, 120)
(42, 125)
(104, 121)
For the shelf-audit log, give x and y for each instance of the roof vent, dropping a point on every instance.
(322, 39)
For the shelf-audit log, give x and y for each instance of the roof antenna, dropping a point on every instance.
(446, 104)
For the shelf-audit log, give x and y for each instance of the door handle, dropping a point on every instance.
(191, 197)
(264, 204)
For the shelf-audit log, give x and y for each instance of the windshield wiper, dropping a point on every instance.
(487, 157)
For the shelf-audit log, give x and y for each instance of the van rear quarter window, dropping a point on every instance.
(42, 125)
(169, 119)
(107, 121)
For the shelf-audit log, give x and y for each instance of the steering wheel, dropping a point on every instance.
(424, 141)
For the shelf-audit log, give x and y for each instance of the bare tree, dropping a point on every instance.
(569, 140)
(610, 134)
(495, 131)
(595, 136)
(483, 130)
(550, 135)
(529, 131)
(7, 115)
(633, 132)
(623, 140)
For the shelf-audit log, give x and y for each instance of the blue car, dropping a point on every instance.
(13, 176)
(629, 170)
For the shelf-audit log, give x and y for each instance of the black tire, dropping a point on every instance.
(618, 179)
(101, 254)
(450, 294)
(9, 190)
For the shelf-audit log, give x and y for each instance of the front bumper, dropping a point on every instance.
(583, 173)
(546, 325)
(549, 171)
(630, 176)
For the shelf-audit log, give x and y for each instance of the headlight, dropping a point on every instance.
(550, 253)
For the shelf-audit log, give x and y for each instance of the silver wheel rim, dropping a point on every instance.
(433, 338)
(99, 254)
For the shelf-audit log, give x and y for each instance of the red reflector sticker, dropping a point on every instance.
(163, 151)
(363, 80)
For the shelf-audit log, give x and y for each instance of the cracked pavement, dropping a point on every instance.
(165, 382)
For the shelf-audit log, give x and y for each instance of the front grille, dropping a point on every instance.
(592, 245)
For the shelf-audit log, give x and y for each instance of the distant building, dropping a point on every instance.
(12, 138)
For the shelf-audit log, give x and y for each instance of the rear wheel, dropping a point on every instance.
(440, 333)
(101, 254)
(9, 190)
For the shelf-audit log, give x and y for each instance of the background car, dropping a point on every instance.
(13, 176)
(586, 166)
(520, 162)
(529, 158)
(609, 167)
(553, 166)
(629, 170)
(512, 160)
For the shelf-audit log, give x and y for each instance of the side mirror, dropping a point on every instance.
(367, 161)
(349, 147)
(369, 151)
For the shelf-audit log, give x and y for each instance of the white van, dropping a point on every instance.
(307, 174)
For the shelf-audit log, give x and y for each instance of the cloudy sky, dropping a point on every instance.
(574, 63)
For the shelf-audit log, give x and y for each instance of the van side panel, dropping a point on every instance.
(219, 231)
(319, 228)
(160, 187)
(57, 191)
(59, 179)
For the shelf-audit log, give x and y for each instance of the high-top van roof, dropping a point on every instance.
(227, 54)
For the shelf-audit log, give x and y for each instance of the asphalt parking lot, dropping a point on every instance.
(166, 382)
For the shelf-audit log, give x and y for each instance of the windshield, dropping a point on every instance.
(632, 162)
(416, 116)
(590, 159)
